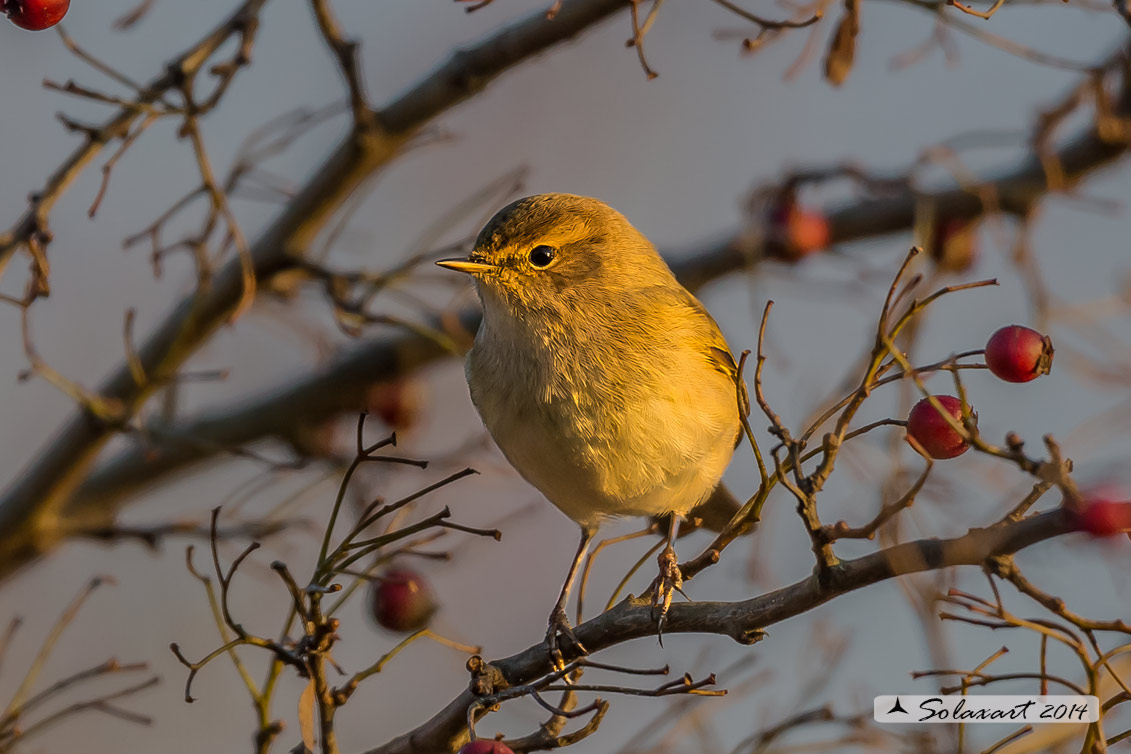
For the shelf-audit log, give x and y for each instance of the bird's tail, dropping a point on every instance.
(715, 512)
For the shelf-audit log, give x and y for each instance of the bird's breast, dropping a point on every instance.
(601, 430)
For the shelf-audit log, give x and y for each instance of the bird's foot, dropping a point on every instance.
(667, 584)
(561, 627)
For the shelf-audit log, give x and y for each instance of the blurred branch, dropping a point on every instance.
(743, 621)
(30, 509)
(31, 230)
(346, 53)
(152, 536)
(340, 386)
(17, 719)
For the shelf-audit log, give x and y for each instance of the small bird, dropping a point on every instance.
(604, 382)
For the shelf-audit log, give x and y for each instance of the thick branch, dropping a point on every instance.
(742, 621)
(30, 509)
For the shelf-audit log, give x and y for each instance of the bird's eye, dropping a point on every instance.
(541, 256)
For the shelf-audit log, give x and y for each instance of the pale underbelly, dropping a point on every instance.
(592, 481)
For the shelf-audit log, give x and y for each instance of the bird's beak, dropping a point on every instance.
(466, 265)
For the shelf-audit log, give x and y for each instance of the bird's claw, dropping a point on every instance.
(559, 625)
(667, 584)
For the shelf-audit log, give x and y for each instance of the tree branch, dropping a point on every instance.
(743, 621)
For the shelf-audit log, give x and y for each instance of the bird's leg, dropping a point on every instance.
(559, 622)
(670, 579)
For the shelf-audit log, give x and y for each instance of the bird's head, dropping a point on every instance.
(551, 249)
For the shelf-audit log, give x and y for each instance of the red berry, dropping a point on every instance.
(792, 231)
(1018, 354)
(807, 231)
(399, 403)
(1102, 515)
(401, 600)
(927, 428)
(36, 14)
(485, 746)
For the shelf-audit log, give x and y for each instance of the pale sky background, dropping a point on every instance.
(676, 156)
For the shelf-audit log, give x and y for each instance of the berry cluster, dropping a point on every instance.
(1013, 354)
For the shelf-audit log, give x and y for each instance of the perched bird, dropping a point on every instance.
(604, 382)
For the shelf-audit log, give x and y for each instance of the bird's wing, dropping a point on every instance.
(718, 352)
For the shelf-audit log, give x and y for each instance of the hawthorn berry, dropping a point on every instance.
(485, 746)
(399, 403)
(807, 231)
(401, 600)
(794, 231)
(1103, 514)
(1018, 354)
(35, 15)
(929, 432)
